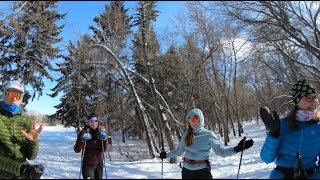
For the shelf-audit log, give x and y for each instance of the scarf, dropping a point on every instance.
(13, 108)
(304, 115)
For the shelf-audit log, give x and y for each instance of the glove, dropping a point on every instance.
(243, 144)
(163, 155)
(102, 134)
(86, 136)
(271, 121)
(31, 171)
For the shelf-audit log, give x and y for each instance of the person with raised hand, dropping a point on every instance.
(92, 140)
(196, 144)
(19, 137)
(292, 142)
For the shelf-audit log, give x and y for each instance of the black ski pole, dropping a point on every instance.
(103, 152)
(107, 150)
(104, 159)
(241, 156)
(162, 146)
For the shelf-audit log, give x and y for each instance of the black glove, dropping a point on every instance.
(163, 155)
(31, 171)
(243, 144)
(271, 121)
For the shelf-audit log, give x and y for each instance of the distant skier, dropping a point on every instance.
(19, 138)
(92, 140)
(293, 142)
(197, 143)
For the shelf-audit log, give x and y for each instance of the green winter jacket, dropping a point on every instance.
(15, 149)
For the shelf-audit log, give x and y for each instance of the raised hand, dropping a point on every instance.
(271, 121)
(34, 134)
(243, 144)
(163, 155)
(86, 136)
(102, 133)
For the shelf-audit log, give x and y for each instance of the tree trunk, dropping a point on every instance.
(142, 115)
(159, 109)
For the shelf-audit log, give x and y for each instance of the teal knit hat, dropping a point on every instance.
(300, 89)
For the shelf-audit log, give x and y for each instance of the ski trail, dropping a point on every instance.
(130, 160)
(57, 155)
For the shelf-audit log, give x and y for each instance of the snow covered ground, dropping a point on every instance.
(127, 159)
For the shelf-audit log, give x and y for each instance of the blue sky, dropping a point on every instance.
(79, 17)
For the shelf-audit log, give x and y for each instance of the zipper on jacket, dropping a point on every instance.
(301, 139)
(12, 136)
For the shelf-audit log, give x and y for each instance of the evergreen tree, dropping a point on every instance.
(78, 83)
(112, 28)
(144, 19)
(28, 43)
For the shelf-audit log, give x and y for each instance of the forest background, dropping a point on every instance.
(226, 58)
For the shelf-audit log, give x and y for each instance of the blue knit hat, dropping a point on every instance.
(91, 116)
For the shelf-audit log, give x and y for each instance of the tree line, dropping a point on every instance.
(226, 58)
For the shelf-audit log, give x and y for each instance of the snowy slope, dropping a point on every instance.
(61, 162)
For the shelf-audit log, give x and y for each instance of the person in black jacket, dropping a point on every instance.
(92, 140)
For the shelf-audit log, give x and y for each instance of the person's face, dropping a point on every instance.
(194, 121)
(309, 102)
(93, 122)
(13, 96)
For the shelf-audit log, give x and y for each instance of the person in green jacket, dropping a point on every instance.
(19, 138)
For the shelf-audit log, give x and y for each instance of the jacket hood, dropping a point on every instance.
(196, 112)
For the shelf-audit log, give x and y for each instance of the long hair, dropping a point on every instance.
(292, 118)
(190, 137)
